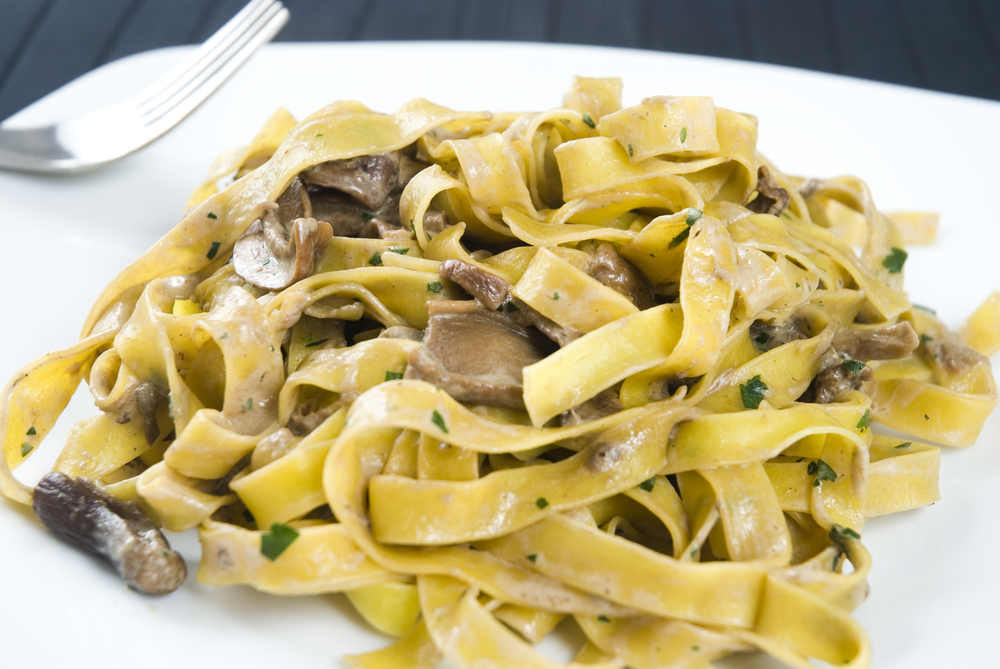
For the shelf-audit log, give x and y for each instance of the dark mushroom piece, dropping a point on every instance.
(118, 531)
(602, 404)
(836, 378)
(272, 256)
(771, 199)
(368, 179)
(618, 274)
(493, 292)
(886, 343)
(476, 354)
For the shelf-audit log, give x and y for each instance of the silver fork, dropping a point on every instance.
(103, 135)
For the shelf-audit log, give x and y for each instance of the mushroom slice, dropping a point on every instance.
(294, 203)
(119, 531)
(369, 179)
(476, 354)
(271, 257)
(770, 198)
(886, 343)
(618, 274)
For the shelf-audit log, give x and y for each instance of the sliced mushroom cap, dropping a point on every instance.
(885, 343)
(476, 354)
(771, 199)
(119, 531)
(369, 179)
(618, 274)
(294, 203)
(271, 257)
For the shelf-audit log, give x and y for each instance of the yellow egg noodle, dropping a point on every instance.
(653, 414)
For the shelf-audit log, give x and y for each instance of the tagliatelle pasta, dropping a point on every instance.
(487, 372)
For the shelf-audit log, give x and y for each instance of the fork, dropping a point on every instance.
(83, 142)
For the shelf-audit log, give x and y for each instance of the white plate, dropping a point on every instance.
(933, 584)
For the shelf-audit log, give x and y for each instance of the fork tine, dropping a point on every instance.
(196, 92)
(207, 53)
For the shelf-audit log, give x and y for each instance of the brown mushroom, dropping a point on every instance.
(369, 179)
(271, 256)
(119, 531)
(771, 199)
(618, 274)
(886, 343)
(476, 354)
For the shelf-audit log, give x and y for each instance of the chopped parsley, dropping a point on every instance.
(401, 252)
(248, 405)
(894, 261)
(630, 151)
(589, 120)
(212, 216)
(648, 484)
(213, 251)
(924, 338)
(603, 618)
(318, 342)
(438, 420)
(319, 134)
(839, 533)
(25, 449)
(822, 472)
(367, 216)
(376, 259)
(695, 648)
(684, 134)
(267, 261)
(275, 542)
(508, 307)
(694, 550)
(394, 376)
(31, 431)
(693, 216)
(836, 561)
(905, 444)
(926, 417)
(865, 421)
(541, 502)
(679, 239)
(307, 337)
(435, 286)
(224, 335)
(532, 558)
(853, 366)
(761, 340)
(753, 392)
(555, 296)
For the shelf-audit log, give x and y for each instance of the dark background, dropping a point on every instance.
(944, 45)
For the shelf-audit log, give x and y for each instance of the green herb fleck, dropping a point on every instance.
(926, 417)
(630, 151)
(212, 216)
(822, 471)
(894, 261)
(695, 648)
(356, 299)
(924, 338)
(648, 484)
(439, 421)
(307, 337)
(275, 542)
(435, 286)
(694, 550)
(401, 252)
(31, 431)
(508, 307)
(905, 444)
(693, 216)
(836, 561)
(555, 296)
(224, 335)
(318, 342)
(853, 366)
(25, 449)
(865, 421)
(367, 216)
(603, 618)
(541, 502)
(923, 308)
(589, 120)
(679, 239)
(753, 392)
(761, 340)
(797, 284)
(839, 534)
(684, 134)
(319, 134)
(375, 259)
(214, 250)
(267, 261)
(393, 376)
(248, 405)
(532, 558)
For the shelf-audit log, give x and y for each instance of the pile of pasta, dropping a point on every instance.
(717, 508)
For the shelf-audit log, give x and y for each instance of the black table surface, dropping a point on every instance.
(943, 45)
